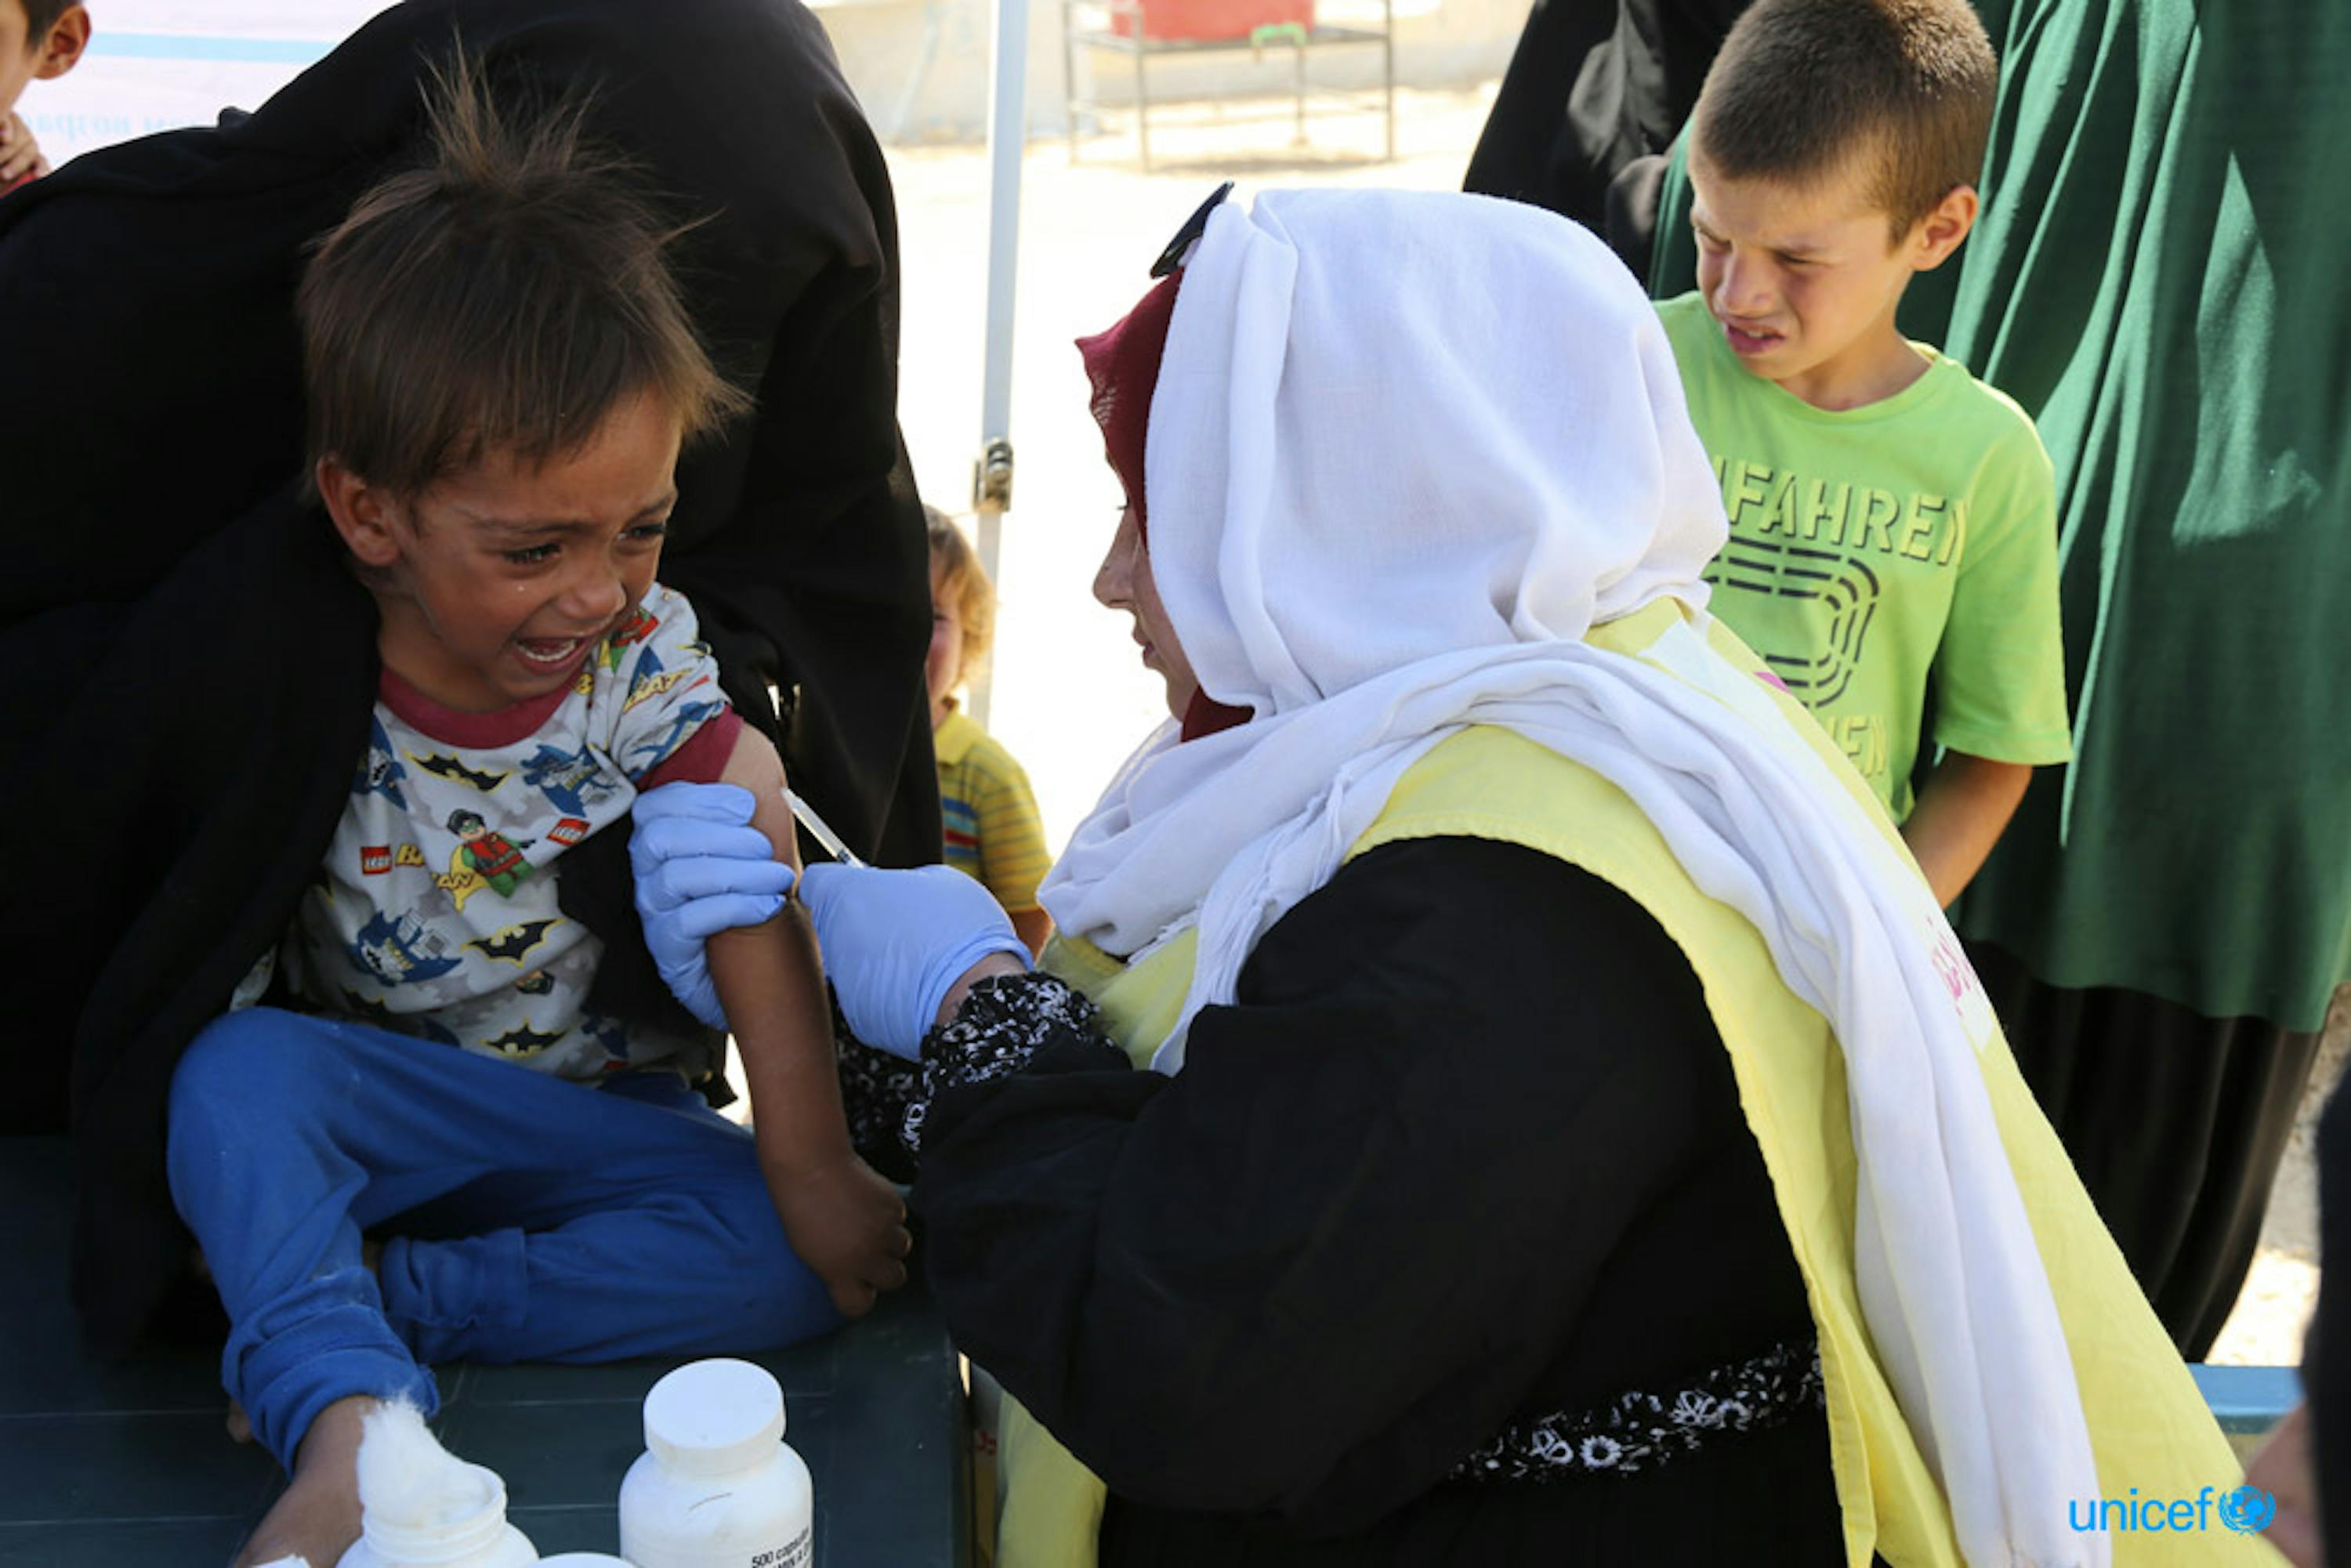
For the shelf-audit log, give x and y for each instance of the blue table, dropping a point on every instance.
(2247, 1400)
(131, 1465)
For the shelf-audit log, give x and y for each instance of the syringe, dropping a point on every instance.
(819, 829)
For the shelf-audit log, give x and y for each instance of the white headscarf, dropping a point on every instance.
(1405, 450)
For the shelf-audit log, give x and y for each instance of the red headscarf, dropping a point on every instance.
(1124, 365)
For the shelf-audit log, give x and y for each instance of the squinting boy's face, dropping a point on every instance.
(496, 584)
(1802, 279)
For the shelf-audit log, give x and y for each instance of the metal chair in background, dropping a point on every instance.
(1128, 27)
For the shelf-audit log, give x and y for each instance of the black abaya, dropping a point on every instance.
(1594, 95)
(1466, 1150)
(2176, 1122)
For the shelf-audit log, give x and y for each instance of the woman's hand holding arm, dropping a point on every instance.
(900, 944)
(900, 947)
(700, 868)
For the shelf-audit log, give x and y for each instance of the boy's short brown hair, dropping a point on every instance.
(40, 16)
(505, 295)
(963, 582)
(1803, 88)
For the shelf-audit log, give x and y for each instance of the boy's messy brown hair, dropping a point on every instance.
(1803, 87)
(963, 582)
(507, 296)
(40, 16)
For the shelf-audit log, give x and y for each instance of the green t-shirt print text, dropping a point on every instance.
(1876, 551)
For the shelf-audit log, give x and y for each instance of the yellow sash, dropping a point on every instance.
(2148, 1426)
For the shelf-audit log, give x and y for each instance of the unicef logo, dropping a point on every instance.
(2247, 1509)
(2244, 1511)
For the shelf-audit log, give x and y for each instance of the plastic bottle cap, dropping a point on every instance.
(709, 1417)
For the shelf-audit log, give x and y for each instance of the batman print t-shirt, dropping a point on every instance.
(435, 912)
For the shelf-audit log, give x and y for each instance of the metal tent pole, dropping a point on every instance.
(991, 476)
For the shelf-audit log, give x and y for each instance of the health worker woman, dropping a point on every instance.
(1501, 1094)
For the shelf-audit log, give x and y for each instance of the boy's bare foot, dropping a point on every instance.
(318, 1514)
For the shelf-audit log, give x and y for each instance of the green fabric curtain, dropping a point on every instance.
(2159, 277)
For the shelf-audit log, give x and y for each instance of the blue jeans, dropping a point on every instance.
(530, 1218)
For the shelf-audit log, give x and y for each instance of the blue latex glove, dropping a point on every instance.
(895, 942)
(701, 867)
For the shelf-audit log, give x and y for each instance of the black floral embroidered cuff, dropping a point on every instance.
(1005, 1019)
(1640, 1431)
(875, 1090)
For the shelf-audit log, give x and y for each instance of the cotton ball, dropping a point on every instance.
(407, 1480)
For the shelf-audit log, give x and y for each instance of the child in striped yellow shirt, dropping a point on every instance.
(992, 832)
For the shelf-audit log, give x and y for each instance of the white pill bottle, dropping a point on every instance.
(717, 1487)
(470, 1531)
(420, 1504)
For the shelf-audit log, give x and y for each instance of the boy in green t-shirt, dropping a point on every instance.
(1893, 521)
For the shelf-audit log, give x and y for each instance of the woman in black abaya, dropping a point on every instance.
(194, 668)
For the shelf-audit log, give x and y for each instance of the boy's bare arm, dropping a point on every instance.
(845, 1222)
(1961, 811)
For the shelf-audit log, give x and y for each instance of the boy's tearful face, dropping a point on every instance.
(1802, 278)
(497, 583)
